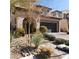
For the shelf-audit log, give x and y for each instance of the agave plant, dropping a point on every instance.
(37, 39)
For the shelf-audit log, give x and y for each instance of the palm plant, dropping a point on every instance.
(37, 39)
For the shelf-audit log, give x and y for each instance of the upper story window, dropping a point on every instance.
(44, 12)
(60, 15)
(57, 14)
(54, 14)
(66, 16)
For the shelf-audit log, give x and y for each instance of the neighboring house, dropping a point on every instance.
(41, 17)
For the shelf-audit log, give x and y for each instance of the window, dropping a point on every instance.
(59, 15)
(64, 16)
(54, 14)
(45, 11)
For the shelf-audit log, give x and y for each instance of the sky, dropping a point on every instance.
(55, 4)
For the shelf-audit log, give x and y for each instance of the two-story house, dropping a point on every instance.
(41, 16)
(21, 13)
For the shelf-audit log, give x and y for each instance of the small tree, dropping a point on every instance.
(28, 5)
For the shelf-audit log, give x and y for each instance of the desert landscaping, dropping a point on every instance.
(37, 31)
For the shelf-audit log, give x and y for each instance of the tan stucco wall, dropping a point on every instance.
(21, 13)
(19, 21)
(63, 25)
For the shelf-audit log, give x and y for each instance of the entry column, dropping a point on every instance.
(19, 22)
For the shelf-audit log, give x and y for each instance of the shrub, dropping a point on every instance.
(67, 42)
(49, 37)
(19, 32)
(59, 41)
(43, 29)
(37, 39)
(44, 52)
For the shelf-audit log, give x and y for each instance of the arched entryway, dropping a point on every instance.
(28, 27)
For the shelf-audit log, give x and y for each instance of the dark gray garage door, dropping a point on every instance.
(52, 27)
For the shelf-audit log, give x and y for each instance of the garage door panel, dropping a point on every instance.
(51, 26)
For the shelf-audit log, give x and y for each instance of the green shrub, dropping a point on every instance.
(67, 42)
(49, 37)
(59, 41)
(37, 39)
(19, 32)
(43, 29)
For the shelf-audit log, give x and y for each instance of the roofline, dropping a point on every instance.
(43, 6)
(57, 11)
(34, 5)
(50, 17)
